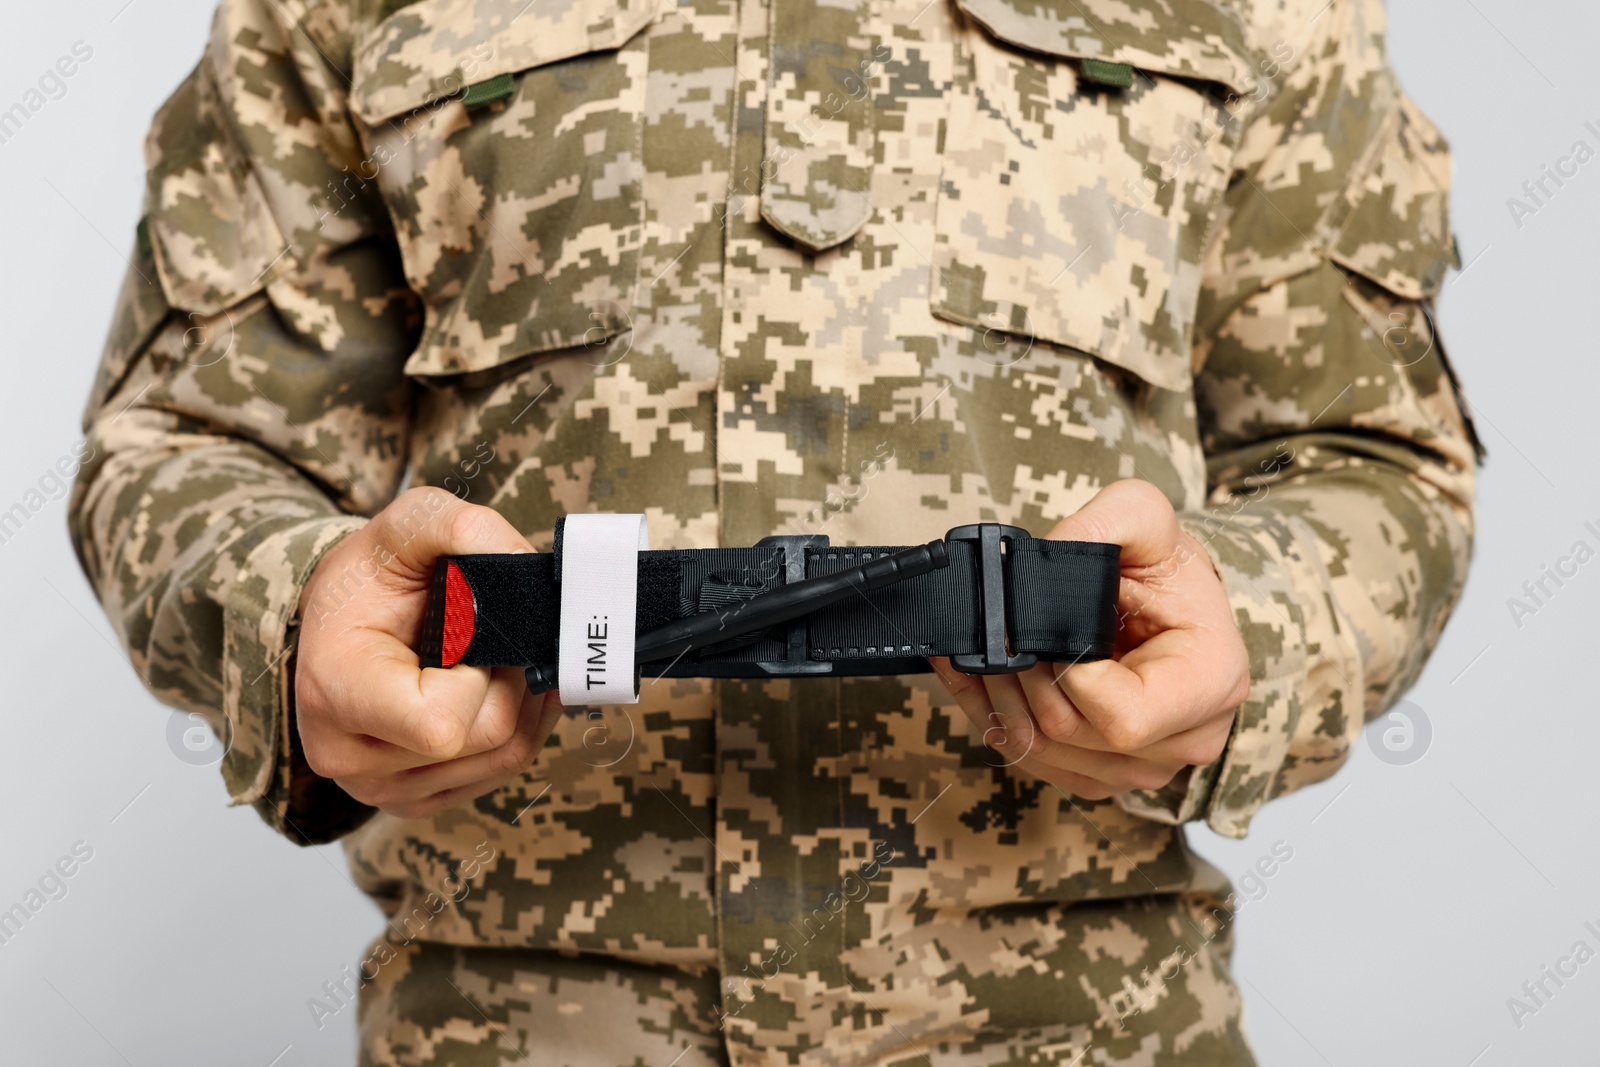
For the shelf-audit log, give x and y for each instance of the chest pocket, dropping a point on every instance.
(1084, 164)
(505, 140)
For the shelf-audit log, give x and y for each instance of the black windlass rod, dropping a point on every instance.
(768, 609)
(788, 602)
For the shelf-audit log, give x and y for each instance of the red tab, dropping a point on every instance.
(460, 615)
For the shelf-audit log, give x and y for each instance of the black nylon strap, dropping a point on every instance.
(1060, 601)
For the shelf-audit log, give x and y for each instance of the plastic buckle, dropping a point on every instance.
(996, 657)
(796, 656)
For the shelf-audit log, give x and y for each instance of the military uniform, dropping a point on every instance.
(868, 268)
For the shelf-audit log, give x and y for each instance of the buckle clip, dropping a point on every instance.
(795, 659)
(996, 657)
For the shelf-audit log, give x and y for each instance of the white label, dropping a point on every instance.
(599, 607)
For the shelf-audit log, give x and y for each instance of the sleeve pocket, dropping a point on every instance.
(1392, 222)
(212, 236)
(1391, 228)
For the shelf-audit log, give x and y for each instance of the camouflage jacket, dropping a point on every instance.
(869, 268)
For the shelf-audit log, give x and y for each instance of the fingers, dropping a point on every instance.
(967, 690)
(1171, 683)
(418, 792)
(375, 740)
(1001, 729)
(424, 524)
(1032, 725)
(1010, 728)
(500, 763)
(427, 711)
(1165, 702)
(1058, 719)
(1191, 748)
(1131, 513)
(365, 708)
(1097, 775)
(1086, 787)
(1024, 701)
(1061, 720)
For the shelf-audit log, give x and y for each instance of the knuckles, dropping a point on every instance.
(501, 734)
(463, 528)
(501, 728)
(1241, 688)
(328, 760)
(1142, 497)
(511, 757)
(1200, 753)
(323, 764)
(441, 736)
(1061, 729)
(471, 527)
(429, 499)
(1125, 733)
(1058, 719)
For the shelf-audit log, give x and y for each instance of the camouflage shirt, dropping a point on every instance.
(868, 268)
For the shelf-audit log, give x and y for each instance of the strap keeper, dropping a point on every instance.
(1107, 73)
(797, 648)
(490, 91)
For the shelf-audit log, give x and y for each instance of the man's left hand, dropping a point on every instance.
(1164, 704)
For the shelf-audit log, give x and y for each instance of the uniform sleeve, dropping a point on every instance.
(249, 407)
(1340, 464)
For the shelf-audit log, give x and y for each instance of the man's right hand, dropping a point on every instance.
(407, 740)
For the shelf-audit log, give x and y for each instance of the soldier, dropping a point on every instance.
(1156, 272)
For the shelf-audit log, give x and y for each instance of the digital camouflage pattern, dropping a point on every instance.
(563, 257)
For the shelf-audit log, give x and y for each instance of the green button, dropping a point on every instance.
(1102, 72)
(479, 94)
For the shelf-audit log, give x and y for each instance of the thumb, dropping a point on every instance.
(423, 524)
(1131, 513)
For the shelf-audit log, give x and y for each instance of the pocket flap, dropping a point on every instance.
(1393, 220)
(1076, 196)
(436, 48)
(212, 235)
(1180, 38)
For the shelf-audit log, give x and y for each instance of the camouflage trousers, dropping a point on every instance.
(436, 1004)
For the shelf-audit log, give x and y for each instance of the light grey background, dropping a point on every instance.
(1418, 898)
